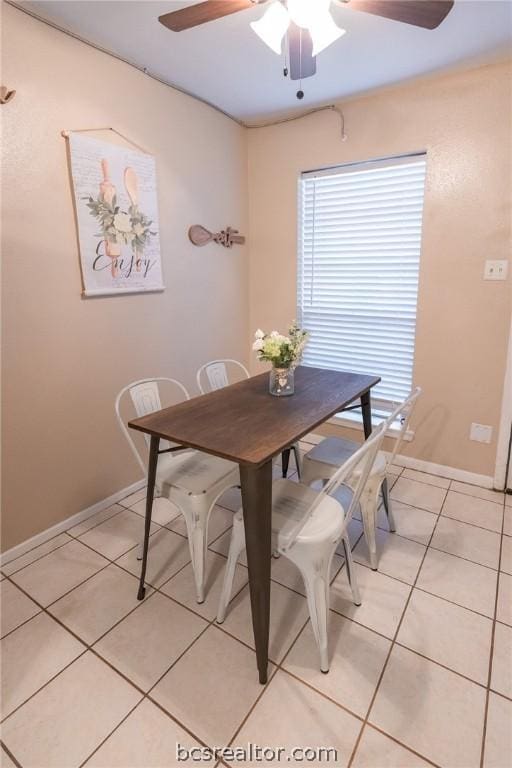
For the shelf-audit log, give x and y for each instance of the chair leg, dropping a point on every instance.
(368, 503)
(298, 459)
(349, 565)
(236, 547)
(197, 543)
(387, 505)
(196, 519)
(315, 573)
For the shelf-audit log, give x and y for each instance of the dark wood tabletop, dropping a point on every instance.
(220, 422)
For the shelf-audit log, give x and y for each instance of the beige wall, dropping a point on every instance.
(65, 358)
(463, 120)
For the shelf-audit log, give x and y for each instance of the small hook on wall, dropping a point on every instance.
(6, 95)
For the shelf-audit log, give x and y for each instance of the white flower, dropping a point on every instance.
(275, 335)
(258, 345)
(259, 334)
(138, 229)
(122, 222)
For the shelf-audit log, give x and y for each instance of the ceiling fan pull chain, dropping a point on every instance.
(300, 92)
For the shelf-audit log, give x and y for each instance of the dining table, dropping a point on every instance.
(247, 425)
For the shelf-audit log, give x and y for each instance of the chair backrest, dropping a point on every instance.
(403, 413)
(145, 398)
(361, 460)
(214, 375)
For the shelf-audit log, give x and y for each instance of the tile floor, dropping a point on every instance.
(420, 672)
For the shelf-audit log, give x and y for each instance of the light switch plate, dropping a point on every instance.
(496, 269)
(482, 433)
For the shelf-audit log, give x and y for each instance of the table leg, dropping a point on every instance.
(257, 508)
(366, 407)
(153, 460)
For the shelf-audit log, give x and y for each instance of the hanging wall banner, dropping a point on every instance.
(117, 216)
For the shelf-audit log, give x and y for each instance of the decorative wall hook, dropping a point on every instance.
(6, 95)
(228, 237)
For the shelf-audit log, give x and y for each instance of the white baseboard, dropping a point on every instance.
(69, 522)
(440, 470)
(451, 473)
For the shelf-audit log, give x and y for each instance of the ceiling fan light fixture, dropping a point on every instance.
(307, 13)
(324, 32)
(272, 26)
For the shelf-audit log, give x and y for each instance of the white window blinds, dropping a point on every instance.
(359, 253)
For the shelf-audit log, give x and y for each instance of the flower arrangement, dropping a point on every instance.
(281, 351)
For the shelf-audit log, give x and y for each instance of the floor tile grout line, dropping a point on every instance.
(493, 635)
(264, 688)
(500, 694)
(401, 744)
(96, 525)
(10, 754)
(64, 594)
(473, 525)
(479, 498)
(452, 602)
(439, 664)
(393, 641)
(32, 549)
(110, 734)
(42, 687)
(37, 559)
(466, 559)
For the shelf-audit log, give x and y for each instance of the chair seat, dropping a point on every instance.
(192, 471)
(335, 451)
(291, 501)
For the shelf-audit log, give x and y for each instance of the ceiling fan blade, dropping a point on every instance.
(200, 13)
(302, 61)
(421, 13)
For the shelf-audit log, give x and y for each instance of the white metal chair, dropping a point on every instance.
(322, 462)
(307, 526)
(191, 480)
(214, 375)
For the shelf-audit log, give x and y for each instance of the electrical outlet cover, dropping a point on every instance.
(482, 433)
(496, 269)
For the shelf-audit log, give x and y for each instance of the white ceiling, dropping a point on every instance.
(225, 63)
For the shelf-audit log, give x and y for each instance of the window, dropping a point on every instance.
(359, 254)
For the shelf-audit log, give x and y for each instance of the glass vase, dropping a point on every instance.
(282, 382)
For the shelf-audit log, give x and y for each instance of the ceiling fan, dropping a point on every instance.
(308, 23)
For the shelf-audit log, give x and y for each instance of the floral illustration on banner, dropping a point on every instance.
(119, 227)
